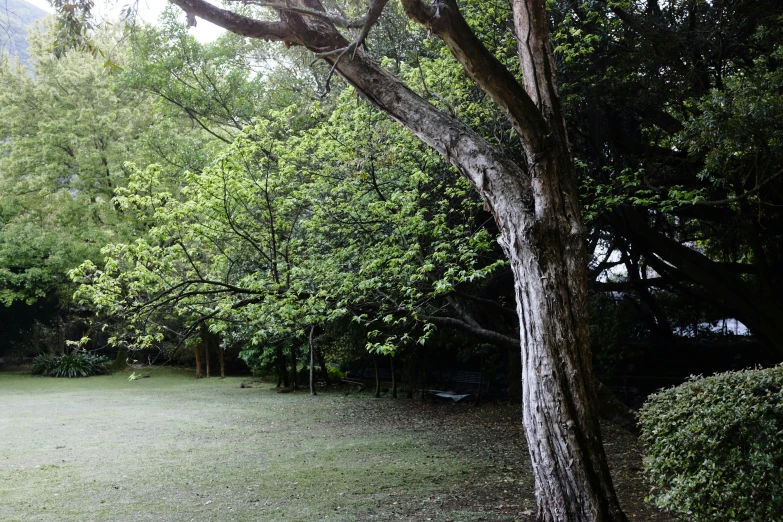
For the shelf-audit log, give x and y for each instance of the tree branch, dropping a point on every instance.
(481, 333)
(444, 19)
(277, 31)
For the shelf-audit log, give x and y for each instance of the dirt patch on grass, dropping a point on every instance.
(500, 487)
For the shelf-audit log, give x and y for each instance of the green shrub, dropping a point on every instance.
(335, 374)
(714, 447)
(44, 363)
(75, 364)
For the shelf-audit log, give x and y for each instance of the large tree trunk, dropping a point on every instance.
(535, 206)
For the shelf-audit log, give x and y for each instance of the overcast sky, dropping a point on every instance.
(148, 10)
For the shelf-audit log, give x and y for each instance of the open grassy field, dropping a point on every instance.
(170, 448)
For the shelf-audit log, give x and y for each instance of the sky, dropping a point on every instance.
(148, 10)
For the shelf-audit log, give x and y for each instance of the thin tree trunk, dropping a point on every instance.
(377, 377)
(393, 378)
(294, 372)
(221, 361)
(196, 350)
(312, 361)
(282, 372)
(206, 352)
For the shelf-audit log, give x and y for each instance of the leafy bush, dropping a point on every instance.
(714, 447)
(335, 373)
(75, 364)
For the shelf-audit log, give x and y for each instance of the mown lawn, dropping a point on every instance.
(171, 449)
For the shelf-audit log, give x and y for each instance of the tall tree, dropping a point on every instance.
(535, 204)
(65, 134)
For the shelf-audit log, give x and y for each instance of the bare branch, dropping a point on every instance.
(337, 19)
(278, 30)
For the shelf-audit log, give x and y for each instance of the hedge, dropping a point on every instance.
(714, 447)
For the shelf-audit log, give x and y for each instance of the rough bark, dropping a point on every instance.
(536, 209)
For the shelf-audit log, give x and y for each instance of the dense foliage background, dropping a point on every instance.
(161, 191)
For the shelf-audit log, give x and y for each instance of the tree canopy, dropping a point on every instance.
(265, 195)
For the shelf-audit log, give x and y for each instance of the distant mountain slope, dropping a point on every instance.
(16, 16)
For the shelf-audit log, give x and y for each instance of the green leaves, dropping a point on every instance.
(349, 217)
(712, 446)
(75, 364)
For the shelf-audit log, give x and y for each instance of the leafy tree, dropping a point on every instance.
(534, 202)
(681, 180)
(66, 134)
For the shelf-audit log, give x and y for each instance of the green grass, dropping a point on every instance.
(170, 448)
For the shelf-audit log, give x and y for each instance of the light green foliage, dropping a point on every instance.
(351, 217)
(218, 87)
(713, 449)
(64, 137)
(398, 225)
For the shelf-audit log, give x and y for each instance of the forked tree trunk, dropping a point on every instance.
(535, 206)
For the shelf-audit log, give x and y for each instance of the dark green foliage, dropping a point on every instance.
(75, 364)
(713, 447)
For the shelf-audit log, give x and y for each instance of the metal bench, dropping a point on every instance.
(460, 378)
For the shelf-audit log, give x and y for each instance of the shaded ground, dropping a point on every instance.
(173, 449)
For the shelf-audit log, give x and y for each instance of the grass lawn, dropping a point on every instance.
(170, 448)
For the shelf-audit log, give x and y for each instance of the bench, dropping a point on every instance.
(354, 383)
(470, 378)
